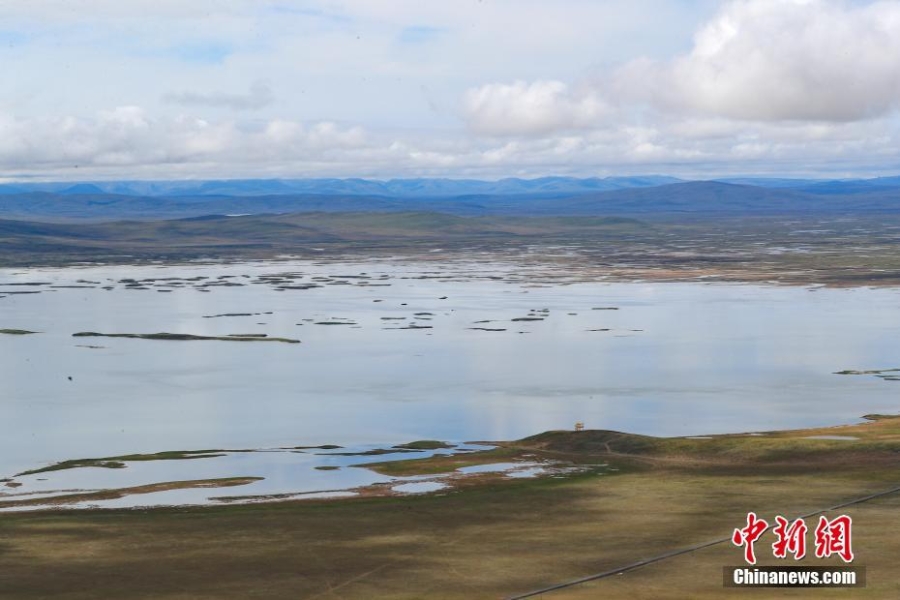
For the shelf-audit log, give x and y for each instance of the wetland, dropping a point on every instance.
(392, 351)
(422, 429)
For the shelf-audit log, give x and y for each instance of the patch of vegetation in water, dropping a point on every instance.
(441, 463)
(115, 494)
(425, 445)
(871, 372)
(184, 337)
(118, 462)
(883, 374)
(17, 332)
(322, 447)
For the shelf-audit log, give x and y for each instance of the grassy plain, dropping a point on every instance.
(490, 539)
(830, 249)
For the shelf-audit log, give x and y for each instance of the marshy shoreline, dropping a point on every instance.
(634, 496)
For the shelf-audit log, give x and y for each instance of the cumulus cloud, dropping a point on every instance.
(127, 137)
(259, 96)
(807, 85)
(754, 60)
(522, 108)
(765, 60)
(126, 142)
(767, 86)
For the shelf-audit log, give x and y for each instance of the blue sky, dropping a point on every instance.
(472, 88)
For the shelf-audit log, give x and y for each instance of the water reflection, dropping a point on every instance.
(675, 359)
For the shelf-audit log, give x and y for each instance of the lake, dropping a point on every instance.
(394, 351)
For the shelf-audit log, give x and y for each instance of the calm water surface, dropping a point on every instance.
(674, 359)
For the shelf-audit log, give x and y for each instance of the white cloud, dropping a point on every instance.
(522, 108)
(755, 60)
(809, 86)
(767, 60)
(801, 86)
(127, 143)
(125, 136)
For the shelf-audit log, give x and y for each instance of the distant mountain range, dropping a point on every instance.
(398, 188)
(425, 187)
(549, 196)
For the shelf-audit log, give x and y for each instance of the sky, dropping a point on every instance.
(170, 89)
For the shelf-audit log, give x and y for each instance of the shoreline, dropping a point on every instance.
(507, 537)
(558, 454)
(829, 249)
(575, 268)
